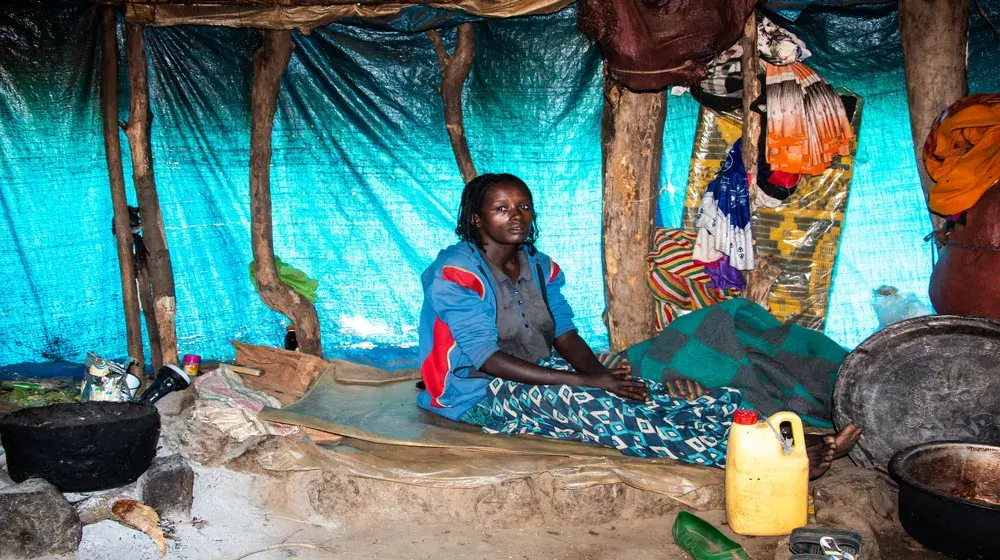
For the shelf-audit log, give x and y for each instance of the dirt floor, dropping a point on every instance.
(243, 510)
(237, 516)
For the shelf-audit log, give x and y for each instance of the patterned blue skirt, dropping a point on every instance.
(693, 430)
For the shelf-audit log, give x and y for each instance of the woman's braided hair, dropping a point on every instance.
(472, 202)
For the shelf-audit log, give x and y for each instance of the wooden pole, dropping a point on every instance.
(766, 268)
(269, 63)
(113, 153)
(751, 92)
(454, 71)
(631, 147)
(138, 132)
(146, 294)
(935, 36)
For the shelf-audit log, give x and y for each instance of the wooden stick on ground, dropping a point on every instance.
(454, 70)
(138, 132)
(631, 147)
(269, 63)
(113, 152)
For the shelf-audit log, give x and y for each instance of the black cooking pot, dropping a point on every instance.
(949, 497)
(81, 447)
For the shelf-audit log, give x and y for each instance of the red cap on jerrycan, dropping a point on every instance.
(745, 417)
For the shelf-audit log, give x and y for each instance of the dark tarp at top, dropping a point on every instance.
(365, 186)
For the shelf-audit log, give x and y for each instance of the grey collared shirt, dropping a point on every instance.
(524, 323)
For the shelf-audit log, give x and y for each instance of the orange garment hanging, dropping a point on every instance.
(962, 153)
(807, 125)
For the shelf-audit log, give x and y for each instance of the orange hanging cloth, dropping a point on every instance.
(962, 153)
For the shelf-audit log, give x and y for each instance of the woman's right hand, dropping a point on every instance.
(619, 382)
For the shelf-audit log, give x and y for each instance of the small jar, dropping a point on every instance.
(291, 343)
(191, 363)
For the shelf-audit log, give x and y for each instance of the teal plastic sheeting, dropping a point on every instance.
(364, 183)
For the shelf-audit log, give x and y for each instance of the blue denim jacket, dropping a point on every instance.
(458, 324)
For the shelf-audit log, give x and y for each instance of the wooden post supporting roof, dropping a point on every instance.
(455, 69)
(113, 152)
(269, 63)
(766, 269)
(137, 129)
(751, 92)
(935, 35)
(631, 145)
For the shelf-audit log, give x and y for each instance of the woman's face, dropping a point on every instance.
(506, 215)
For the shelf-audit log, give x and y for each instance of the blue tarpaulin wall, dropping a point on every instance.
(364, 184)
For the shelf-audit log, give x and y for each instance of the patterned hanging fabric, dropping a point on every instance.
(723, 220)
(807, 124)
(679, 284)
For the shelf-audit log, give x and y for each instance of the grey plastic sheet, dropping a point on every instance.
(390, 438)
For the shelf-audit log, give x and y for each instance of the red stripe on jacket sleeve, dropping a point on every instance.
(464, 278)
(437, 364)
(554, 273)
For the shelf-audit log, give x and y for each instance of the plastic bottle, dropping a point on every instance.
(891, 306)
(767, 477)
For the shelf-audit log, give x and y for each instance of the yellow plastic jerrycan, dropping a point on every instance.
(767, 478)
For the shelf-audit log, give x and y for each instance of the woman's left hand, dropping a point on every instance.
(619, 382)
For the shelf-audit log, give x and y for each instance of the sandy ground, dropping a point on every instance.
(237, 525)
(247, 513)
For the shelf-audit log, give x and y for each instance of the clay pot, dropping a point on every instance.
(964, 281)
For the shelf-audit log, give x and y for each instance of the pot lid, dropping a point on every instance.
(934, 378)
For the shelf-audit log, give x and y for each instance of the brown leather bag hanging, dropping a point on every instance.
(966, 278)
(652, 44)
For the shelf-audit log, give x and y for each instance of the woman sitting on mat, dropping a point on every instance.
(493, 311)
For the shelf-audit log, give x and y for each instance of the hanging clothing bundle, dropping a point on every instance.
(807, 125)
(722, 87)
(651, 44)
(962, 153)
(723, 220)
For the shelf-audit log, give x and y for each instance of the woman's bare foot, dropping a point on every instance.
(823, 449)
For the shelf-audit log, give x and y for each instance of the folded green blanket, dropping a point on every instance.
(737, 343)
(292, 277)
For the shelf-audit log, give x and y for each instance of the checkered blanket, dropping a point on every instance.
(737, 343)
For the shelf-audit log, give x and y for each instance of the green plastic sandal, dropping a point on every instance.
(703, 541)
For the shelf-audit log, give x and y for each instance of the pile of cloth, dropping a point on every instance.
(679, 283)
(737, 343)
(773, 187)
(962, 153)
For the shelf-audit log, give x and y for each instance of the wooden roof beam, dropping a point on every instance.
(305, 15)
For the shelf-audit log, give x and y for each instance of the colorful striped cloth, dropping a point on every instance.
(679, 284)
